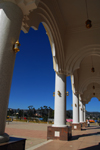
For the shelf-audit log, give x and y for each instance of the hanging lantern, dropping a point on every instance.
(88, 24)
(93, 93)
(92, 69)
(93, 87)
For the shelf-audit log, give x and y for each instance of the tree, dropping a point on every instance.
(68, 114)
(46, 112)
(31, 111)
(19, 113)
(10, 112)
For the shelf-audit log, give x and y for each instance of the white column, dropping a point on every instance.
(10, 26)
(84, 113)
(75, 109)
(81, 111)
(60, 101)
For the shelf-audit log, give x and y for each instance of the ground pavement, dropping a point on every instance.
(36, 135)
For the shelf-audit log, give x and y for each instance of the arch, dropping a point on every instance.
(89, 99)
(55, 64)
(88, 81)
(44, 14)
(74, 61)
(90, 91)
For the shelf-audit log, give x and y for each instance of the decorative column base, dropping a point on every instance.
(76, 126)
(13, 144)
(84, 124)
(4, 138)
(59, 133)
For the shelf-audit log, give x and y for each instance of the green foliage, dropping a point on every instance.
(31, 111)
(10, 112)
(45, 112)
(68, 114)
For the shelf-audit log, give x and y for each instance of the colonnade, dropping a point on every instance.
(79, 112)
(10, 25)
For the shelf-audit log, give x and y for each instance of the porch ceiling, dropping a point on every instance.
(74, 11)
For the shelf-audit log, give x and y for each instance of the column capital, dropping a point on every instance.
(27, 6)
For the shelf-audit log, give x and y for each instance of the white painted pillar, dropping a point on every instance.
(81, 112)
(10, 26)
(75, 109)
(60, 101)
(84, 113)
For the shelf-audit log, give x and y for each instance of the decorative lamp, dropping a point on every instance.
(88, 21)
(16, 47)
(93, 93)
(92, 69)
(59, 93)
(53, 94)
(75, 105)
(88, 24)
(67, 93)
(93, 87)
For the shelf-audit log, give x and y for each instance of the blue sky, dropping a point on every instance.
(33, 81)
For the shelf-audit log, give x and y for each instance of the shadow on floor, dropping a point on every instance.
(96, 147)
(83, 129)
(83, 135)
(92, 127)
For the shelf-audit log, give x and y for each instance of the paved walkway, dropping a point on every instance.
(35, 133)
(88, 139)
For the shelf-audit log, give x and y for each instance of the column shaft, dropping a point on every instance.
(60, 101)
(10, 26)
(81, 111)
(75, 109)
(84, 114)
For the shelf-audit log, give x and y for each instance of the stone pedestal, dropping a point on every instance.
(59, 133)
(84, 124)
(76, 126)
(13, 144)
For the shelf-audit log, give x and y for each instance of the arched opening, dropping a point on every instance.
(92, 108)
(33, 77)
(87, 82)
